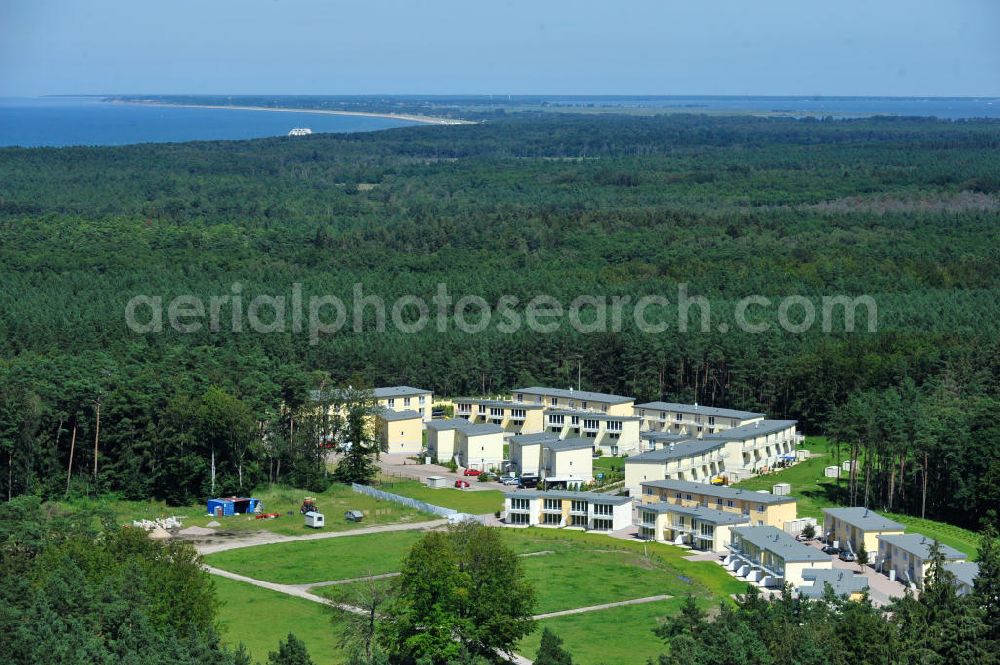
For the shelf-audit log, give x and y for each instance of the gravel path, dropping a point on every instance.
(605, 606)
(268, 538)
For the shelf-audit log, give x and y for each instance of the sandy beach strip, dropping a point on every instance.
(425, 119)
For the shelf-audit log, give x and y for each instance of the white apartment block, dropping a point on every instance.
(906, 556)
(769, 556)
(692, 419)
(610, 435)
(582, 400)
(405, 398)
(558, 509)
(472, 446)
(551, 458)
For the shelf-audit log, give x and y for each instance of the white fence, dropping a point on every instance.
(405, 500)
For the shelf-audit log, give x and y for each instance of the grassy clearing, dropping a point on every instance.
(477, 502)
(620, 635)
(333, 503)
(814, 492)
(259, 618)
(310, 561)
(613, 468)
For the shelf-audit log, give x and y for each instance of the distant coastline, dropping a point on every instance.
(424, 119)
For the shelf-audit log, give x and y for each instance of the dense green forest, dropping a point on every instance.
(903, 210)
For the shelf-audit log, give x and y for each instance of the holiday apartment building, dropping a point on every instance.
(552, 458)
(399, 432)
(852, 528)
(770, 557)
(697, 527)
(584, 510)
(906, 556)
(696, 460)
(575, 400)
(760, 508)
(691, 418)
(512, 416)
(405, 398)
(470, 445)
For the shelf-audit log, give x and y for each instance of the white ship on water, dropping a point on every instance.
(300, 131)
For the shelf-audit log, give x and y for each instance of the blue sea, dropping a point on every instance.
(66, 121)
(63, 121)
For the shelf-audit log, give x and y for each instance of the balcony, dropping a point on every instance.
(518, 418)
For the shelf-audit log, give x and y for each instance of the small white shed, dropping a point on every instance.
(436, 482)
(781, 489)
(315, 520)
(832, 472)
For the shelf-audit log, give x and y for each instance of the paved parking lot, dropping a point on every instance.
(402, 465)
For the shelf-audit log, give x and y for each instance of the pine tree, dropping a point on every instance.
(290, 652)
(550, 651)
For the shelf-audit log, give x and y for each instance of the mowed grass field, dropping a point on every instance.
(284, 500)
(814, 492)
(615, 636)
(312, 561)
(568, 569)
(475, 501)
(260, 618)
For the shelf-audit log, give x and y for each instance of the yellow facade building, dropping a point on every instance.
(760, 508)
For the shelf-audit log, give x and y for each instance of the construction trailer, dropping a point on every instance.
(225, 507)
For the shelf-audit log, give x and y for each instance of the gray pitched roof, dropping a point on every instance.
(919, 545)
(539, 437)
(596, 415)
(570, 443)
(448, 423)
(583, 395)
(719, 491)
(965, 572)
(502, 403)
(589, 497)
(399, 391)
(750, 430)
(698, 409)
(407, 414)
(704, 514)
(843, 582)
(650, 435)
(482, 428)
(780, 543)
(864, 519)
(686, 448)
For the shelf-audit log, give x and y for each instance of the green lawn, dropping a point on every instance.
(310, 561)
(616, 636)
(813, 492)
(333, 503)
(613, 468)
(259, 618)
(477, 502)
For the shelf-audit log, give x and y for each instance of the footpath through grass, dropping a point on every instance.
(284, 500)
(814, 492)
(260, 618)
(474, 501)
(311, 561)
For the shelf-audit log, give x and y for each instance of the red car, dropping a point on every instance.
(472, 472)
(461, 483)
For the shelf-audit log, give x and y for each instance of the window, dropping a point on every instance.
(677, 417)
(663, 415)
(711, 420)
(574, 420)
(589, 424)
(648, 491)
(615, 426)
(583, 405)
(572, 404)
(496, 412)
(603, 509)
(579, 507)
(406, 401)
(555, 420)
(553, 504)
(551, 518)
(391, 402)
(688, 497)
(760, 507)
(677, 495)
(731, 503)
(648, 517)
(517, 413)
(555, 401)
(518, 504)
(518, 518)
(520, 397)
(420, 400)
(578, 520)
(718, 501)
(482, 408)
(603, 525)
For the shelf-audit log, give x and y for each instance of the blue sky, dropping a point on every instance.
(672, 47)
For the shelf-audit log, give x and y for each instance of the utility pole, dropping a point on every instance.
(97, 433)
(579, 369)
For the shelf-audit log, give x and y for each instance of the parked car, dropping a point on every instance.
(461, 483)
(510, 480)
(471, 472)
(847, 556)
(830, 549)
(529, 482)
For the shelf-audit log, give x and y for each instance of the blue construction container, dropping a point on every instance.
(232, 506)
